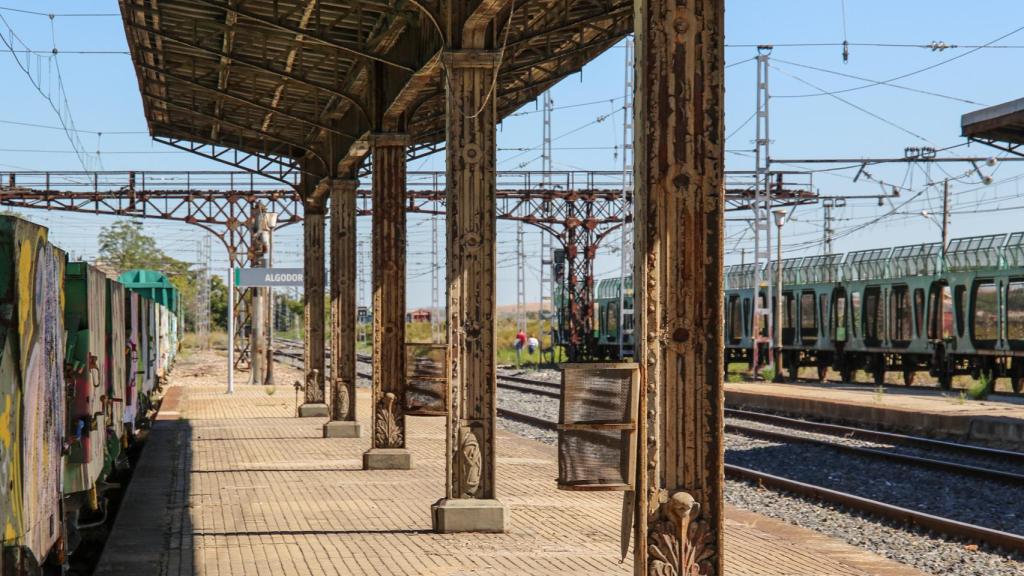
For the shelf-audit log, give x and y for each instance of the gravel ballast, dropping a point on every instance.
(975, 500)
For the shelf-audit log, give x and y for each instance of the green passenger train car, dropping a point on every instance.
(908, 309)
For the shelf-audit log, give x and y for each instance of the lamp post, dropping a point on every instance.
(780, 220)
(268, 225)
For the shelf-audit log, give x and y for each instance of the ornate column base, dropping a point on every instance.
(313, 410)
(342, 429)
(451, 515)
(387, 459)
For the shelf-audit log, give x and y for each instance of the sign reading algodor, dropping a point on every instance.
(248, 277)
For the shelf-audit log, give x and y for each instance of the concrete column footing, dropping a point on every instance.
(451, 515)
(342, 429)
(387, 459)
(312, 410)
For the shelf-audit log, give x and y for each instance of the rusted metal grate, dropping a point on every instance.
(426, 379)
(597, 426)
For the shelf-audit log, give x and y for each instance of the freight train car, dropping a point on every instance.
(32, 398)
(907, 310)
(73, 389)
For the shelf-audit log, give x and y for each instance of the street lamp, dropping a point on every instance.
(780, 220)
(269, 222)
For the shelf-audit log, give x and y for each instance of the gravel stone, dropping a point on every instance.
(969, 499)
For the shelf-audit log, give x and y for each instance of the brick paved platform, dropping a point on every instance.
(234, 485)
(912, 410)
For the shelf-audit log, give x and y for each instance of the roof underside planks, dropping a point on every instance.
(1000, 123)
(292, 78)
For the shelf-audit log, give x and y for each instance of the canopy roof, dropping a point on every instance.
(1000, 123)
(288, 82)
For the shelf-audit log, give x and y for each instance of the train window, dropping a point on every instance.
(918, 311)
(735, 322)
(1015, 310)
(856, 312)
(823, 312)
(874, 315)
(947, 312)
(787, 310)
(612, 322)
(762, 320)
(986, 312)
(899, 313)
(807, 319)
(958, 308)
(839, 319)
(940, 312)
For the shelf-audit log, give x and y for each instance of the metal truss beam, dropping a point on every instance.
(288, 169)
(264, 136)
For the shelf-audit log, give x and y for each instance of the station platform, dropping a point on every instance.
(911, 410)
(236, 485)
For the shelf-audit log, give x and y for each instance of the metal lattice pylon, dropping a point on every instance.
(626, 243)
(762, 223)
(547, 260)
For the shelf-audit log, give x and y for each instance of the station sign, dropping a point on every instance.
(250, 277)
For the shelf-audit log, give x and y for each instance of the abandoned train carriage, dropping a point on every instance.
(73, 388)
(905, 309)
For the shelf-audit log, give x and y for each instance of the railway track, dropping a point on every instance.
(954, 528)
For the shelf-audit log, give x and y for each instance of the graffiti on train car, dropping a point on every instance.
(31, 383)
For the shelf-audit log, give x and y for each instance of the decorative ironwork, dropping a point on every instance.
(387, 426)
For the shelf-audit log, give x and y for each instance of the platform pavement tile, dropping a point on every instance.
(266, 494)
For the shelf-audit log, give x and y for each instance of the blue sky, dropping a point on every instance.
(872, 121)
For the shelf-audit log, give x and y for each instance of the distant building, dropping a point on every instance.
(363, 315)
(418, 315)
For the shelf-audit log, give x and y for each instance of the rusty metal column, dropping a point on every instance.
(314, 315)
(343, 422)
(678, 287)
(470, 504)
(388, 451)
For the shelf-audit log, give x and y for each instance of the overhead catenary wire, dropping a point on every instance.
(911, 73)
(855, 106)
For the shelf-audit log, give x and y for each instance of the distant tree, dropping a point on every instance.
(218, 303)
(125, 246)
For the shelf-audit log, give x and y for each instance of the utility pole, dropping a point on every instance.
(626, 248)
(547, 260)
(761, 212)
(828, 232)
(435, 283)
(945, 217)
(520, 278)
